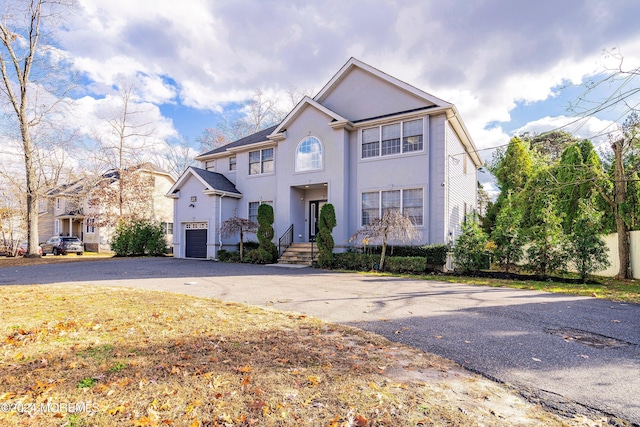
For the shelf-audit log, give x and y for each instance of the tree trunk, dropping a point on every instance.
(384, 251)
(32, 198)
(621, 226)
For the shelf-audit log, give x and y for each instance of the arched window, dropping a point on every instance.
(309, 154)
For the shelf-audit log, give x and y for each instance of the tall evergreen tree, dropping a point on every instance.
(585, 248)
(507, 234)
(546, 240)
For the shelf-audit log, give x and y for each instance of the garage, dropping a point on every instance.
(195, 240)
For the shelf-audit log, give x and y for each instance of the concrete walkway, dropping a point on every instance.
(572, 353)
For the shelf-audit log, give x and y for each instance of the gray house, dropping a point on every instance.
(365, 143)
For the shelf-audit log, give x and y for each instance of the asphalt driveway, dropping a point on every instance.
(571, 353)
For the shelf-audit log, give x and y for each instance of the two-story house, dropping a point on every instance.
(366, 142)
(76, 209)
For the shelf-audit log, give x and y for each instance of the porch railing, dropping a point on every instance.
(285, 241)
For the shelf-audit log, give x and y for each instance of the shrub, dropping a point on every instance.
(436, 255)
(324, 239)
(268, 250)
(226, 256)
(410, 265)
(139, 237)
(366, 262)
(469, 250)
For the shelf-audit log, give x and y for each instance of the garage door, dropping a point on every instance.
(196, 243)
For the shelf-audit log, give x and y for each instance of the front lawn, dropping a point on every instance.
(99, 356)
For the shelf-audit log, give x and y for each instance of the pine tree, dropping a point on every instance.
(470, 249)
(546, 252)
(585, 248)
(507, 234)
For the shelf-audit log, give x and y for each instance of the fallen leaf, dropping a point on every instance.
(360, 421)
(535, 359)
(584, 356)
(118, 409)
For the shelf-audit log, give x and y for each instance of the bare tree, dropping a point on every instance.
(177, 158)
(259, 112)
(127, 133)
(393, 226)
(23, 63)
(235, 225)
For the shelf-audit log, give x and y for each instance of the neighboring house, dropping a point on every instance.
(71, 210)
(366, 142)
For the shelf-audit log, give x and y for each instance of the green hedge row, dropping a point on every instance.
(366, 262)
(434, 254)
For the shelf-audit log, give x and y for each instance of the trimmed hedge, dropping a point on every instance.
(366, 262)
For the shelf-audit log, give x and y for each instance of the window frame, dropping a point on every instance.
(260, 202)
(297, 165)
(90, 225)
(370, 149)
(381, 208)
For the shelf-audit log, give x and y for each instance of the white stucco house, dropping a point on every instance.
(365, 143)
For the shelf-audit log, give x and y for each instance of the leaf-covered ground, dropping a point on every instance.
(97, 356)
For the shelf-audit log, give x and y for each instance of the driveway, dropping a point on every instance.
(571, 353)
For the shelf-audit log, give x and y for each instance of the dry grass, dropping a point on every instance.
(97, 356)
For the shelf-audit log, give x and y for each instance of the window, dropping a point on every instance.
(261, 161)
(167, 227)
(370, 142)
(309, 154)
(56, 227)
(232, 163)
(91, 225)
(58, 202)
(408, 201)
(370, 207)
(397, 138)
(253, 210)
(210, 165)
(412, 205)
(390, 201)
(390, 139)
(412, 136)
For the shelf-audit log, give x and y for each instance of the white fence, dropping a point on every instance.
(612, 243)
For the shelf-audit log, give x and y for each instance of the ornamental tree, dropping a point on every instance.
(235, 225)
(392, 226)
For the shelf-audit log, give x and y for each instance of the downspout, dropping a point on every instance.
(219, 225)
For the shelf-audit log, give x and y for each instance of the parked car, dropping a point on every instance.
(22, 249)
(62, 245)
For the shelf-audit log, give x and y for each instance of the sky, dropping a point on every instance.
(509, 66)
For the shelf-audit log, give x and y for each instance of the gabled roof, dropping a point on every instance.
(306, 101)
(354, 63)
(213, 182)
(260, 136)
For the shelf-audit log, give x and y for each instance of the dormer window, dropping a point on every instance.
(309, 154)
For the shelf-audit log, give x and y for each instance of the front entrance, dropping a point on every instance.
(314, 214)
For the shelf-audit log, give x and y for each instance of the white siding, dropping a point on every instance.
(462, 183)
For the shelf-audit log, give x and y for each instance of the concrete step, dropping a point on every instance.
(299, 253)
